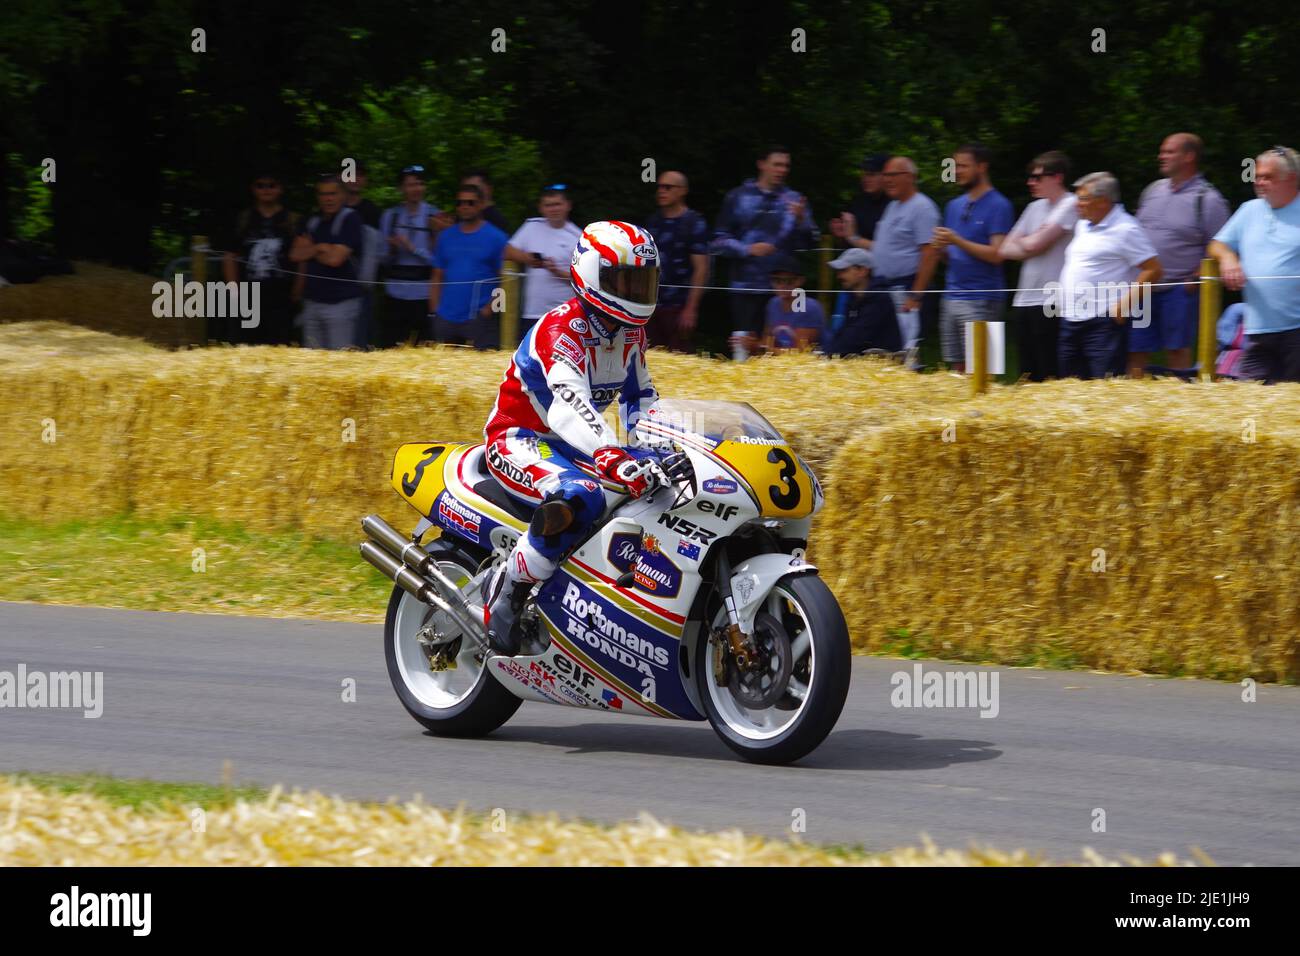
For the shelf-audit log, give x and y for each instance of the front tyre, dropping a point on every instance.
(460, 701)
(801, 611)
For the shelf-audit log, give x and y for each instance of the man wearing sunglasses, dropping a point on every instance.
(1263, 239)
(259, 252)
(1039, 240)
(466, 273)
(682, 236)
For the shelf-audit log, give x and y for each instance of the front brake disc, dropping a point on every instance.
(766, 684)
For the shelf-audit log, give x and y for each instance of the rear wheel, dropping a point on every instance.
(784, 708)
(438, 673)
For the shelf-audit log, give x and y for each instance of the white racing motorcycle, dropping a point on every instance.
(693, 602)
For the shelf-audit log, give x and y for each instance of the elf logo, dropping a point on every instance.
(725, 512)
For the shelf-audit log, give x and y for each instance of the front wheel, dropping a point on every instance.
(438, 674)
(785, 709)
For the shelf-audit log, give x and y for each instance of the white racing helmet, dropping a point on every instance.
(615, 271)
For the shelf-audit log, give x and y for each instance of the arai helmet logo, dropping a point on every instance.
(645, 251)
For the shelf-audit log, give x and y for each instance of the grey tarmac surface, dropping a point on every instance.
(1173, 763)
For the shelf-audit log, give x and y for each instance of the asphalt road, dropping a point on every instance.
(1173, 763)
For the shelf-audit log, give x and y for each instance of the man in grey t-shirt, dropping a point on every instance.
(1181, 214)
(904, 258)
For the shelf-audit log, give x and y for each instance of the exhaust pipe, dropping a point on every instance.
(418, 575)
(410, 554)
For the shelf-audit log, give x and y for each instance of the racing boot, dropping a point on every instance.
(503, 599)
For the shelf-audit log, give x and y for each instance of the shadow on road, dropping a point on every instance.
(863, 750)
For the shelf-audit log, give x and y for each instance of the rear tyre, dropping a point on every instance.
(464, 701)
(801, 610)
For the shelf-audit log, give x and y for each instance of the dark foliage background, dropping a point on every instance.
(154, 142)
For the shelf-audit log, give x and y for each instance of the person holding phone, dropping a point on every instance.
(543, 245)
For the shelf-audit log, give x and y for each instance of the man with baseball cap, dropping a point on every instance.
(861, 320)
(867, 206)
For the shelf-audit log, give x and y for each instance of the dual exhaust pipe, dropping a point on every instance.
(415, 571)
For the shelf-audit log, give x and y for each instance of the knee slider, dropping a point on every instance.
(554, 516)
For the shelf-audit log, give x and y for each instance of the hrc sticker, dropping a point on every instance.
(567, 348)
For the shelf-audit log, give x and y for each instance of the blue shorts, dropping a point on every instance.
(1174, 315)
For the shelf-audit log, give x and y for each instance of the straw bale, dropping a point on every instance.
(42, 828)
(992, 545)
(982, 546)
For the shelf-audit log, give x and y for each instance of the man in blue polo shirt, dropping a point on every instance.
(468, 259)
(1263, 239)
(974, 226)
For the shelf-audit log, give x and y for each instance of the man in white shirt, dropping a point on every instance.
(543, 245)
(1104, 283)
(1039, 239)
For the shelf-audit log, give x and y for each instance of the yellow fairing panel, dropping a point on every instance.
(418, 472)
(776, 476)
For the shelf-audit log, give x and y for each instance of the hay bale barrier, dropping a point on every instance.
(1150, 525)
(1119, 525)
(44, 828)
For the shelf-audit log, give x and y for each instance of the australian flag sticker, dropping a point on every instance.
(691, 551)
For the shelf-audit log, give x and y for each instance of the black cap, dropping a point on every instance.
(874, 163)
(781, 262)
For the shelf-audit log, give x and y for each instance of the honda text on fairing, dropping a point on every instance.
(692, 602)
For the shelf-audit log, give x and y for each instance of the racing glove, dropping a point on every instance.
(638, 476)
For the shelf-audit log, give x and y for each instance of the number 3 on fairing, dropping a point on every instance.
(411, 482)
(786, 498)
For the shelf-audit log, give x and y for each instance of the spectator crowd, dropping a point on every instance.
(1100, 290)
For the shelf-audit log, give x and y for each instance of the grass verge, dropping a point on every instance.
(186, 564)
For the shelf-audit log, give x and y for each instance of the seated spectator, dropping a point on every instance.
(759, 218)
(862, 320)
(790, 321)
(468, 259)
(259, 252)
(543, 245)
(1230, 331)
(327, 252)
(1263, 239)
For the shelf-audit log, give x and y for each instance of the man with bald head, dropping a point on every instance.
(904, 258)
(682, 236)
(1180, 213)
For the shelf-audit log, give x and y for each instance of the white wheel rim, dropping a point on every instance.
(435, 689)
(769, 722)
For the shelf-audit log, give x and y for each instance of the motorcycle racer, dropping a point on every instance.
(547, 441)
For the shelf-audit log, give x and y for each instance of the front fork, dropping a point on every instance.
(743, 590)
(734, 637)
